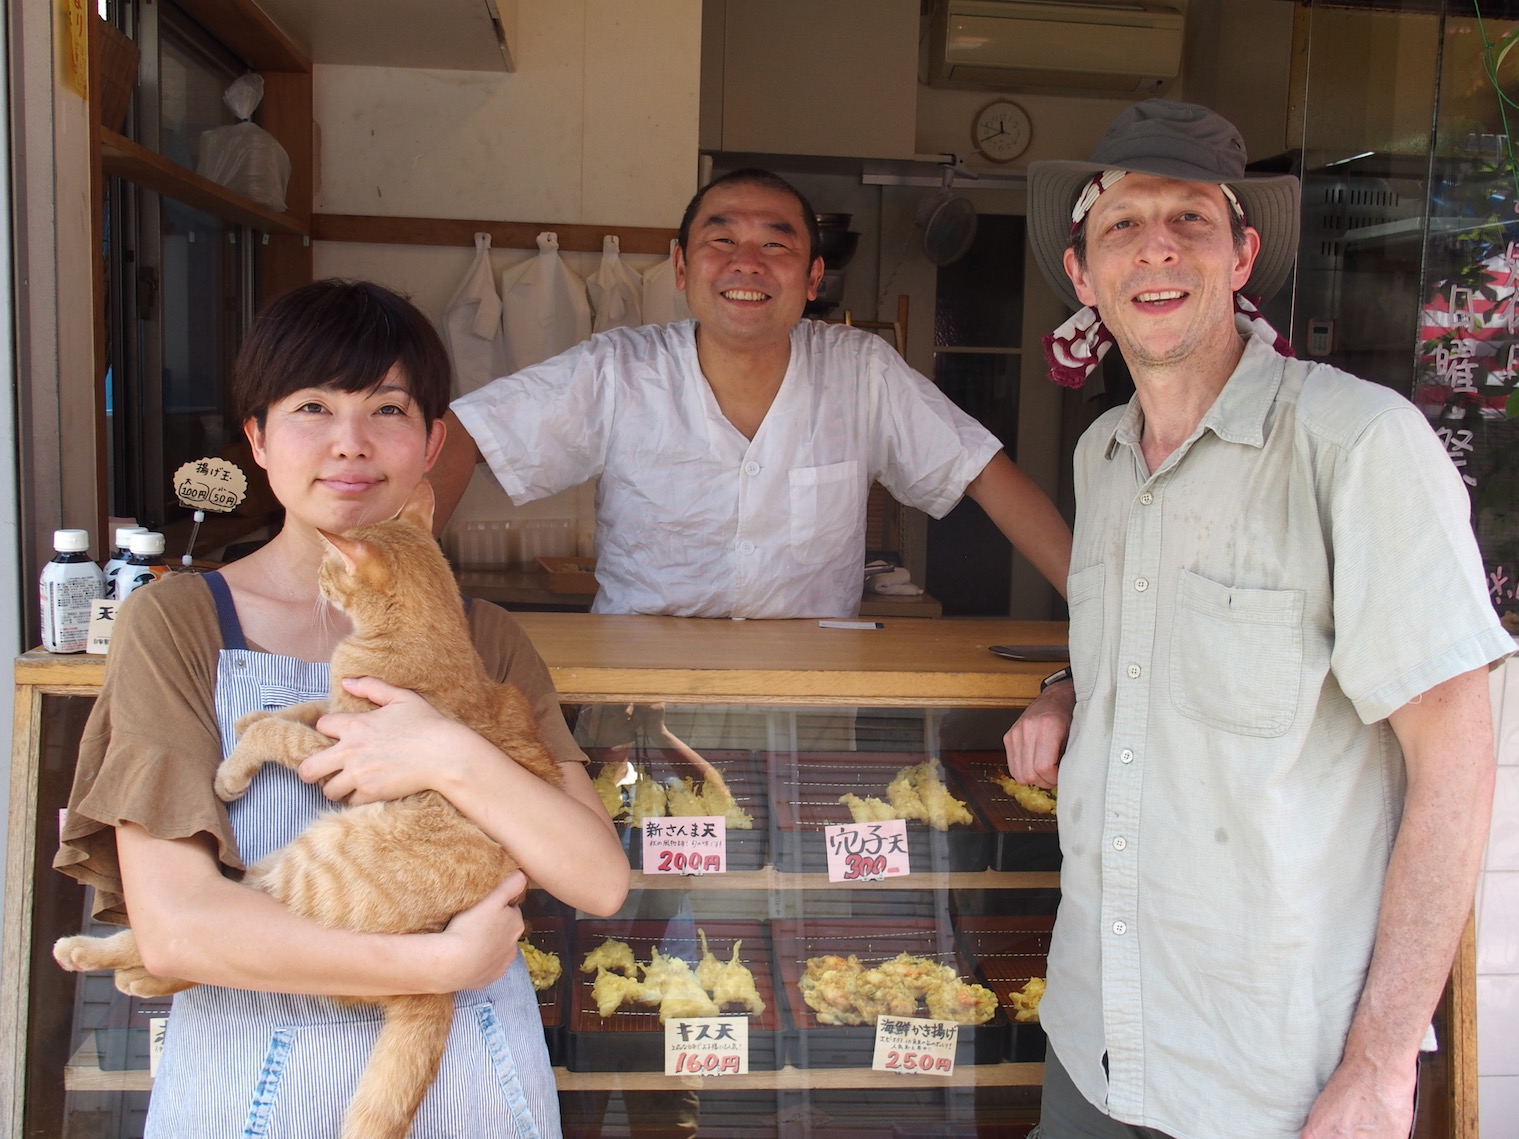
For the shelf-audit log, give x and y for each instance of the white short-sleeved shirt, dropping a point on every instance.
(1242, 623)
(695, 520)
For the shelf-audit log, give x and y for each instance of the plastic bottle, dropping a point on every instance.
(119, 556)
(145, 563)
(69, 583)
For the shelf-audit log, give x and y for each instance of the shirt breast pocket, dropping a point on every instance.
(825, 503)
(1237, 656)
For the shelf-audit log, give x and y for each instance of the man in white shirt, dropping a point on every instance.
(735, 451)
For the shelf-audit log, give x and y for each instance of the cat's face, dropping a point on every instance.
(373, 568)
(339, 459)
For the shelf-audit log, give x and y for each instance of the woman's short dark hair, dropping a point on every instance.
(754, 176)
(339, 334)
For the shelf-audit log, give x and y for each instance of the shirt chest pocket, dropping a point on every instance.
(826, 505)
(1237, 656)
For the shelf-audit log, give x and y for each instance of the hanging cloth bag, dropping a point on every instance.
(245, 158)
(662, 301)
(544, 309)
(616, 291)
(472, 325)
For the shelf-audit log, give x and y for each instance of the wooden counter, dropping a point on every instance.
(596, 658)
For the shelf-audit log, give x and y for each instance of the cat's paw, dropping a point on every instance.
(246, 722)
(136, 981)
(80, 954)
(232, 782)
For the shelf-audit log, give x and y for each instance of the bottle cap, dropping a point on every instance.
(71, 541)
(146, 544)
(124, 534)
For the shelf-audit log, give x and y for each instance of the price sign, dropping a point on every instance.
(867, 852)
(210, 484)
(914, 1046)
(102, 621)
(707, 1046)
(696, 844)
(157, 1027)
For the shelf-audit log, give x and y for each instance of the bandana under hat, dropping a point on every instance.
(1078, 345)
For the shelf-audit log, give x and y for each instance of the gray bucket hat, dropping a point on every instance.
(1171, 140)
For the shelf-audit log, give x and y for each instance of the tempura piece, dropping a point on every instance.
(685, 797)
(612, 990)
(669, 980)
(905, 798)
(960, 1001)
(682, 800)
(648, 799)
(869, 809)
(1025, 1001)
(941, 809)
(543, 967)
(827, 987)
(1034, 800)
(729, 982)
(611, 954)
(718, 800)
(609, 790)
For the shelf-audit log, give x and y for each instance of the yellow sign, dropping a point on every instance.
(210, 484)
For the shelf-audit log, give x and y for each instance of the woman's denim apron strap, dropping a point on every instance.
(283, 1066)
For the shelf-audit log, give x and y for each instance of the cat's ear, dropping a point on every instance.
(419, 506)
(350, 550)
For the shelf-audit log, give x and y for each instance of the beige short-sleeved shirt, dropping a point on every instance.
(151, 746)
(1242, 623)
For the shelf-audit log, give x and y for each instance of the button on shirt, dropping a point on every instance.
(694, 519)
(1243, 620)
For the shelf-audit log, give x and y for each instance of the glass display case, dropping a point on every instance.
(790, 718)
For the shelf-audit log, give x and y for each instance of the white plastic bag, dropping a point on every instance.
(616, 291)
(662, 301)
(243, 157)
(544, 309)
(472, 325)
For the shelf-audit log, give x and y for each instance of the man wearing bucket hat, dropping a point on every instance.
(1276, 781)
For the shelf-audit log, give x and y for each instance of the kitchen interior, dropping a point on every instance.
(591, 115)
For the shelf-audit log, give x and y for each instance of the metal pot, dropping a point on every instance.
(837, 244)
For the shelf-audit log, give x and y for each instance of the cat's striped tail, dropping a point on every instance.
(402, 1066)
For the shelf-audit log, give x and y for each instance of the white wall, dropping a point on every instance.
(597, 126)
(1498, 928)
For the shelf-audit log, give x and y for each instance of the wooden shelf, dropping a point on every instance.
(84, 1074)
(598, 658)
(504, 234)
(771, 879)
(123, 158)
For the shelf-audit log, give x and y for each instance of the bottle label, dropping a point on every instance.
(66, 605)
(133, 577)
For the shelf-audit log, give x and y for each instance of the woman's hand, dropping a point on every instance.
(397, 749)
(478, 945)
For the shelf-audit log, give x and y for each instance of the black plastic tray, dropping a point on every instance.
(810, 1044)
(1008, 952)
(632, 1040)
(747, 849)
(1024, 840)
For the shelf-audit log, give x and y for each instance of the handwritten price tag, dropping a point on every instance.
(210, 484)
(914, 1046)
(696, 844)
(707, 1046)
(867, 852)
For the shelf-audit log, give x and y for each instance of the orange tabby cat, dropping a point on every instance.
(406, 866)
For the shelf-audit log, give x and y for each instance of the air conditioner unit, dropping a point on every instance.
(1104, 48)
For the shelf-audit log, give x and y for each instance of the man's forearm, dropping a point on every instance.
(1026, 517)
(1447, 742)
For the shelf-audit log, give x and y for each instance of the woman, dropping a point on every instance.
(341, 389)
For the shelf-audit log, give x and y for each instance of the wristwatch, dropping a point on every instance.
(1055, 678)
